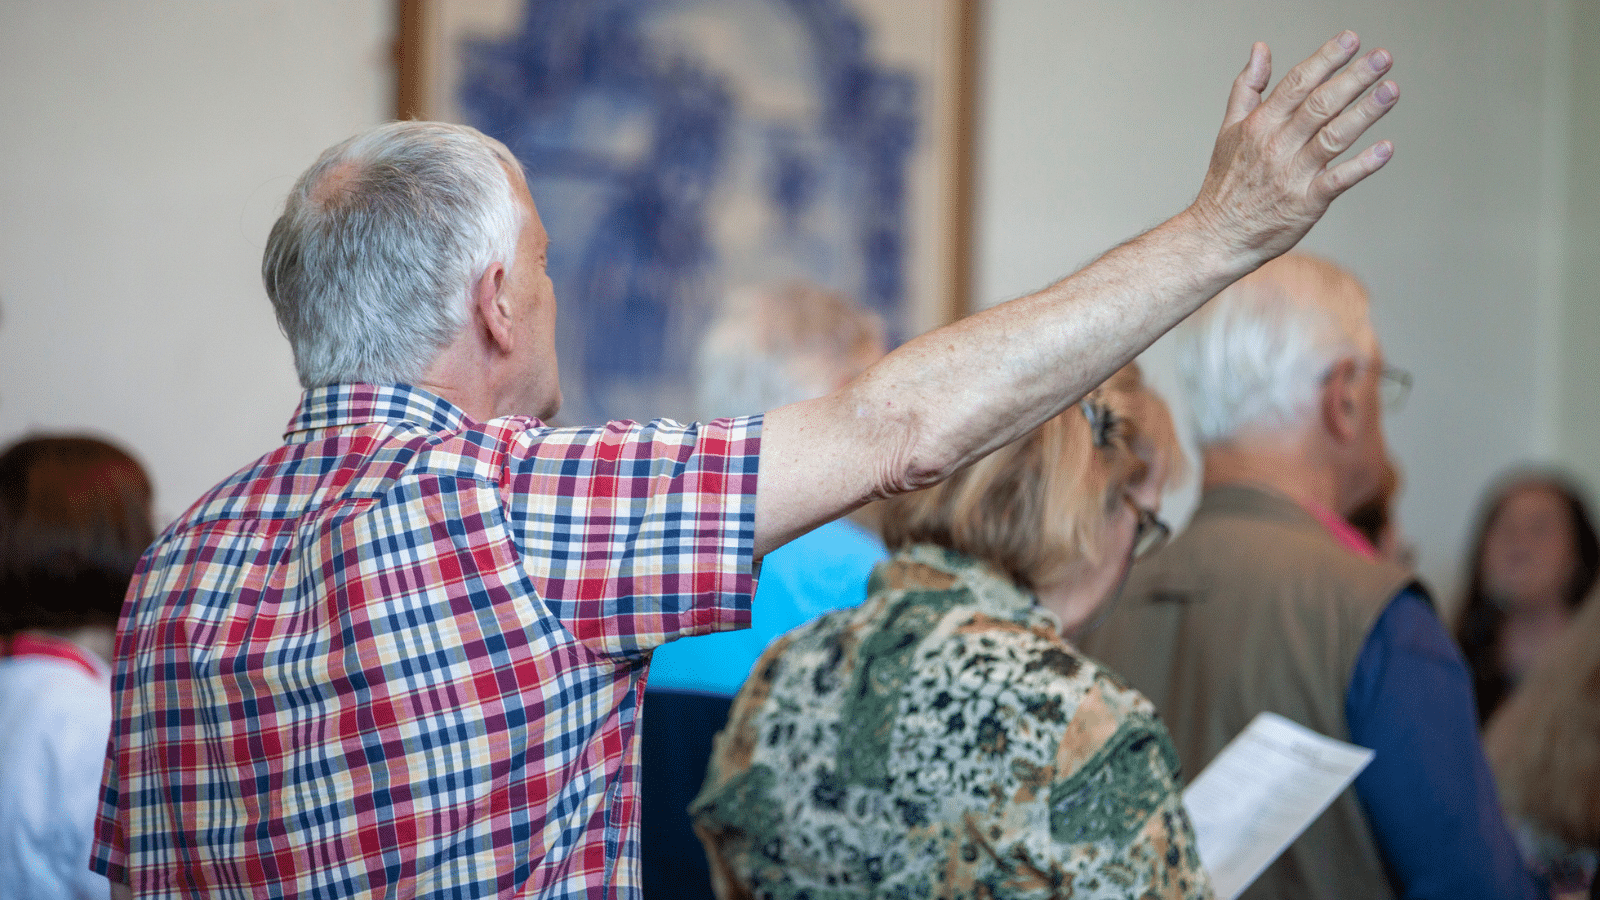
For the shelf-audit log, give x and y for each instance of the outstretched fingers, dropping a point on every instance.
(1273, 172)
(1328, 115)
(1345, 175)
(1339, 135)
(1247, 88)
(1310, 74)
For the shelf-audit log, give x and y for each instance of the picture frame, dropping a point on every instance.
(682, 150)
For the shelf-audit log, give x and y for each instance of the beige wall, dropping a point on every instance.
(1578, 414)
(145, 150)
(148, 144)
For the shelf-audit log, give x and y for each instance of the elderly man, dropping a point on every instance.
(1270, 601)
(402, 654)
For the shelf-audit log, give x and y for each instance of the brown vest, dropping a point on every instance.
(1256, 607)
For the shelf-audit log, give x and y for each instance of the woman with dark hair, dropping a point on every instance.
(1533, 561)
(74, 519)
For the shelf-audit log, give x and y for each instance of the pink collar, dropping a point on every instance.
(1342, 531)
(26, 644)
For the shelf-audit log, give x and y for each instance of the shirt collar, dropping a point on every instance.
(1342, 531)
(992, 591)
(344, 405)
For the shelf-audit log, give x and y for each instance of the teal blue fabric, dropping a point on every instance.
(822, 570)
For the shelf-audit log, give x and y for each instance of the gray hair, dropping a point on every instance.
(371, 264)
(773, 346)
(1255, 355)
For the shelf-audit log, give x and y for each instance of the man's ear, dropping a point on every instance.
(492, 307)
(1338, 401)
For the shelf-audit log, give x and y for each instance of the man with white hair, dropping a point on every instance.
(1271, 601)
(402, 654)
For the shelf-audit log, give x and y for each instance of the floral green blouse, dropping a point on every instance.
(942, 740)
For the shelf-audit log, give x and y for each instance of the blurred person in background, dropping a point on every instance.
(1544, 744)
(74, 518)
(768, 347)
(945, 738)
(1534, 559)
(1271, 602)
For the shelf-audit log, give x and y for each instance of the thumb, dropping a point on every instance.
(1247, 88)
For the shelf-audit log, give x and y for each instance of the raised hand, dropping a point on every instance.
(1271, 175)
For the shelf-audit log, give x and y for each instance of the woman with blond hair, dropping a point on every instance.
(1544, 746)
(944, 739)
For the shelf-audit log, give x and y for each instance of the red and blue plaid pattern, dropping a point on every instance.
(403, 654)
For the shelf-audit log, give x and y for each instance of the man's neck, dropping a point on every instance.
(475, 403)
(483, 385)
(1283, 469)
(466, 374)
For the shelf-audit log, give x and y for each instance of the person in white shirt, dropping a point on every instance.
(74, 518)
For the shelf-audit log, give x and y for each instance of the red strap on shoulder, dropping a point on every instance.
(31, 644)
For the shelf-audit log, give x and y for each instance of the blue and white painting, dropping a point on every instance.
(680, 148)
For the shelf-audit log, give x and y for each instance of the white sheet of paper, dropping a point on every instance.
(1261, 792)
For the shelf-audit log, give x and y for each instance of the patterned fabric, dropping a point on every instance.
(402, 654)
(942, 740)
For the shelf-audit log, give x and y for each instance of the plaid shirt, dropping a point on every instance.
(403, 654)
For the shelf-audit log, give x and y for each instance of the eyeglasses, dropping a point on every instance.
(1150, 534)
(1394, 386)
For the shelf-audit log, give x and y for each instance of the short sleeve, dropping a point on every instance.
(820, 571)
(108, 855)
(637, 534)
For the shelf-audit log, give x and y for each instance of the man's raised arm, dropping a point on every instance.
(954, 394)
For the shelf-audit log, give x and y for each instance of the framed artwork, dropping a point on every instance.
(678, 150)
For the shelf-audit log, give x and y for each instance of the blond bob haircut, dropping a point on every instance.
(1036, 508)
(1544, 743)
